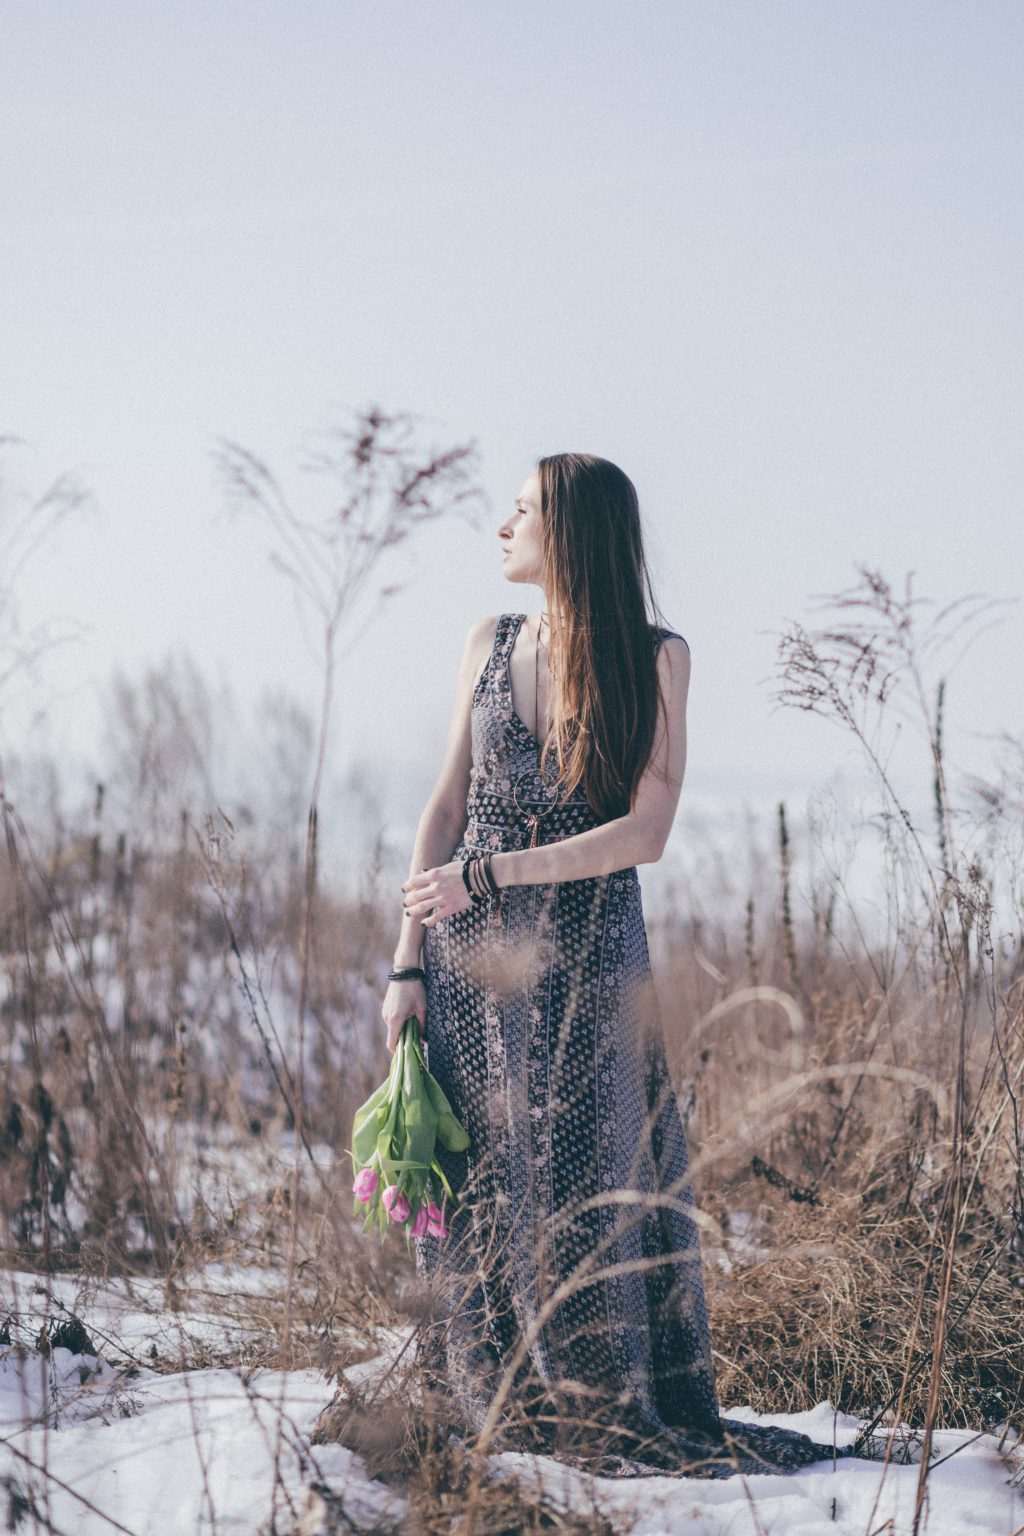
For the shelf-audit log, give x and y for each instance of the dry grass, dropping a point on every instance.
(829, 1313)
(172, 1006)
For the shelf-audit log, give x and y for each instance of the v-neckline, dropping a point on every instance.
(507, 649)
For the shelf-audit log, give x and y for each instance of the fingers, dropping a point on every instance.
(394, 1035)
(414, 881)
(429, 907)
(394, 1027)
(392, 1039)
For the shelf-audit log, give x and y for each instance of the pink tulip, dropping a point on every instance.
(396, 1205)
(435, 1220)
(364, 1184)
(418, 1225)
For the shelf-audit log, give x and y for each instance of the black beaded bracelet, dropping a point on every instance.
(478, 878)
(407, 973)
(467, 877)
(483, 877)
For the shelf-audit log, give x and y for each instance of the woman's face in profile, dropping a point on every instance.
(520, 535)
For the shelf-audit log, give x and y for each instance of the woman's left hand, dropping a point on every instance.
(436, 893)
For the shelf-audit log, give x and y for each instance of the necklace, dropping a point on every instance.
(536, 687)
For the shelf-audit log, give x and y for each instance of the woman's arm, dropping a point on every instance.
(639, 837)
(436, 840)
(444, 817)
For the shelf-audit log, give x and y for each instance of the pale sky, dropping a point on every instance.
(766, 256)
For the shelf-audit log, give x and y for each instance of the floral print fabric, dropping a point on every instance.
(566, 1308)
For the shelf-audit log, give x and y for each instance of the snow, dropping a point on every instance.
(163, 1452)
(969, 1493)
(193, 1451)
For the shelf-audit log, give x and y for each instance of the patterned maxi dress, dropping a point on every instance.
(565, 1305)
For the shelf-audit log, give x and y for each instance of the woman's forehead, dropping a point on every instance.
(531, 486)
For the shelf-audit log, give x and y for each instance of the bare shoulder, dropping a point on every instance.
(479, 643)
(673, 664)
(481, 634)
(674, 654)
(482, 631)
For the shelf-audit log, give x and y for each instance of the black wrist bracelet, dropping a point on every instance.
(470, 868)
(407, 973)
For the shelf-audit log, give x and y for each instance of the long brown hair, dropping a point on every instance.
(604, 685)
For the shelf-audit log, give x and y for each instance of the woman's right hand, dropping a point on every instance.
(401, 1000)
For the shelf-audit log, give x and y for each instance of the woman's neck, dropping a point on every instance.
(548, 618)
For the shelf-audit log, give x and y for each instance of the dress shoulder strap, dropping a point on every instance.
(507, 629)
(660, 633)
(504, 634)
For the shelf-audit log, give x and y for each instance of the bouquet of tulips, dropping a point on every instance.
(394, 1135)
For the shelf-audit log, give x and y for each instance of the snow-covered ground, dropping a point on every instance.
(172, 1452)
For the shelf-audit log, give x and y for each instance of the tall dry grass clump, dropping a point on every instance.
(162, 1014)
(855, 1063)
(183, 1004)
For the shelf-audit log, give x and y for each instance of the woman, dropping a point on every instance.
(569, 1311)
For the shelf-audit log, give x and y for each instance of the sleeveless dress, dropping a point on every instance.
(564, 1307)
